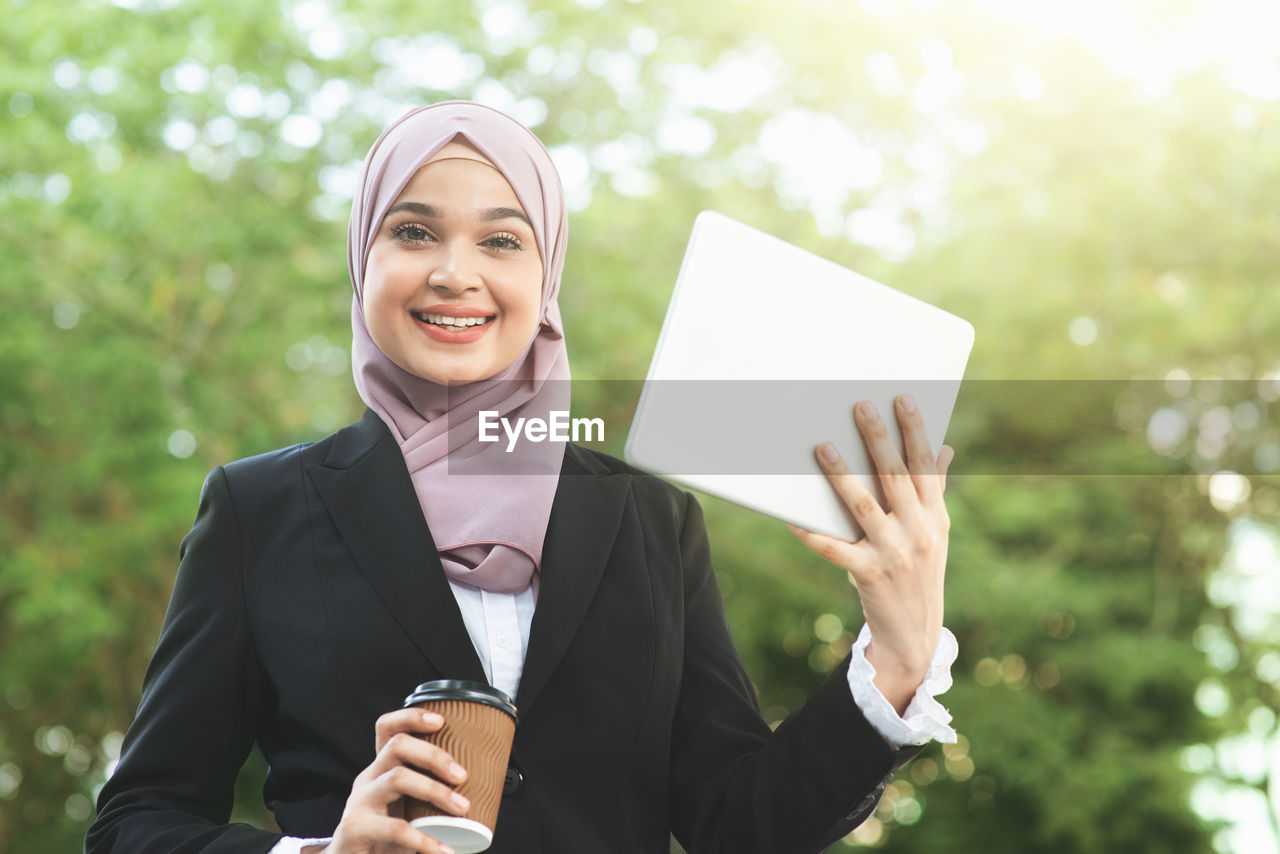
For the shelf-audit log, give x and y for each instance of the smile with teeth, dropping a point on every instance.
(450, 322)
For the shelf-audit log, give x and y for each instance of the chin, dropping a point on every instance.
(450, 378)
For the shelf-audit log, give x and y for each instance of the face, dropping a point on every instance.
(453, 284)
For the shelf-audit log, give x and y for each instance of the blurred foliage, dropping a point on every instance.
(173, 188)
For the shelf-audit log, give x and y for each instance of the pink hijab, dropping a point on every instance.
(487, 509)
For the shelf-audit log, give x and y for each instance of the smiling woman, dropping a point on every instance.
(320, 584)
(453, 286)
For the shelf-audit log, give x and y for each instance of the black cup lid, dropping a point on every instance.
(461, 689)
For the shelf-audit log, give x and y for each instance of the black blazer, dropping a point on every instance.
(310, 600)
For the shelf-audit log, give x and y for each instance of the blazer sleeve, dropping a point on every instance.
(173, 788)
(737, 787)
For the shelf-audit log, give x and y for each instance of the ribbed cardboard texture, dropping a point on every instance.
(479, 738)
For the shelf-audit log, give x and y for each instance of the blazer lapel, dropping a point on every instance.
(366, 488)
(585, 518)
(367, 492)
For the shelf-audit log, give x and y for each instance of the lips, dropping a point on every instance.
(449, 321)
(453, 324)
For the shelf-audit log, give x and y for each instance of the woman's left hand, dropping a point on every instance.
(899, 566)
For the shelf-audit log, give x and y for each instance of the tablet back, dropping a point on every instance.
(764, 351)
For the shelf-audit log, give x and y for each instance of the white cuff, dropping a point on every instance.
(925, 719)
(294, 845)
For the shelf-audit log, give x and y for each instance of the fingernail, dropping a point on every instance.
(829, 453)
(460, 800)
(445, 849)
(432, 718)
(908, 404)
(869, 410)
(456, 771)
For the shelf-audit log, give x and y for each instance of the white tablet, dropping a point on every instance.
(764, 352)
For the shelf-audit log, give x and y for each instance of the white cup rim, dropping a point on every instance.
(464, 835)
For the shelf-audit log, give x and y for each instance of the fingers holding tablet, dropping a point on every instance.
(900, 565)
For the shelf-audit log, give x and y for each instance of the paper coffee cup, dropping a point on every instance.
(479, 725)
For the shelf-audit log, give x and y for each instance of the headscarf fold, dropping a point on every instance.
(487, 508)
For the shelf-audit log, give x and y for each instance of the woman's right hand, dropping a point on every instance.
(373, 820)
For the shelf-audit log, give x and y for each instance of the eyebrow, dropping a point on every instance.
(486, 215)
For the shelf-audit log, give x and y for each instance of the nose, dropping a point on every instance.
(456, 271)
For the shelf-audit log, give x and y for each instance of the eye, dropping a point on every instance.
(504, 242)
(411, 233)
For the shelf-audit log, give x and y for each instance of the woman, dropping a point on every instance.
(321, 583)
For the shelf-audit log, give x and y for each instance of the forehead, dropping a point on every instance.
(460, 174)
